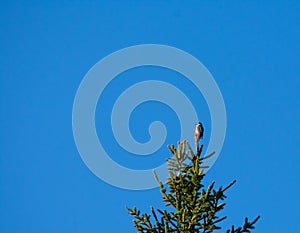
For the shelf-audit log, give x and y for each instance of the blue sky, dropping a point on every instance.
(252, 50)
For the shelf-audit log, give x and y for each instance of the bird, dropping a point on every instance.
(198, 132)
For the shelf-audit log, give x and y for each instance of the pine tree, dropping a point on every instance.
(190, 208)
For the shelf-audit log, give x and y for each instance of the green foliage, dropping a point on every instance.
(193, 209)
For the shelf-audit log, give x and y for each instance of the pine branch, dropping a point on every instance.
(195, 209)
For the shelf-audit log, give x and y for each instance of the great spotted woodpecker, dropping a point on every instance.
(198, 131)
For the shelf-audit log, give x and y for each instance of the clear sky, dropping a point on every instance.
(252, 50)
